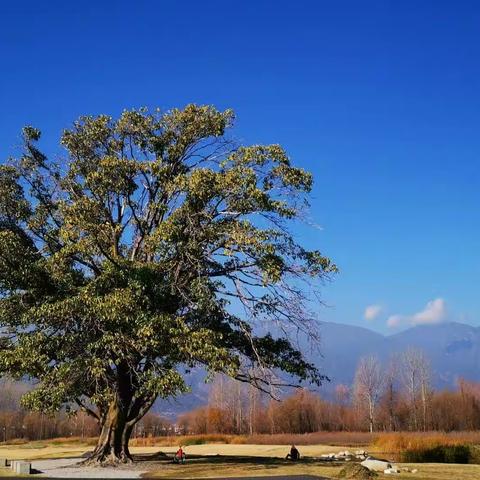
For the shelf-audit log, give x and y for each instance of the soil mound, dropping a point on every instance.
(357, 472)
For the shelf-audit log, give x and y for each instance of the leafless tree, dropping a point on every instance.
(369, 383)
(425, 386)
(391, 387)
(416, 373)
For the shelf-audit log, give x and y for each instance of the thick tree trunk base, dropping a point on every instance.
(112, 444)
(108, 457)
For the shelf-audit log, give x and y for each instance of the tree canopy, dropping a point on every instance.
(157, 244)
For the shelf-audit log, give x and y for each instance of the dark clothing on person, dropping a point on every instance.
(293, 455)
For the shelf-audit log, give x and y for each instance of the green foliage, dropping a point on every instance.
(439, 454)
(131, 260)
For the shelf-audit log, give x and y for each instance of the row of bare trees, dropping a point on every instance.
(392, 397)
(409, 372)
(16, 422)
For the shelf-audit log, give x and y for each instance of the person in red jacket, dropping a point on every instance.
(179, 456)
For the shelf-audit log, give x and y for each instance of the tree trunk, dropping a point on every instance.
(371, 413)
(112, 444)
(391, 412)
(424, 407)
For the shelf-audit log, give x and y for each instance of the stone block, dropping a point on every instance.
(23, 468)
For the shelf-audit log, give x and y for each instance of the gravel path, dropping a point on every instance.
(67, 468)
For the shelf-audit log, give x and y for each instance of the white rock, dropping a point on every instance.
(392, 470)
(414, 470)
(376, 465)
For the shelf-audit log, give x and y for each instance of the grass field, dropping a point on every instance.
(233, 460)
(228, 467)
(44, 450)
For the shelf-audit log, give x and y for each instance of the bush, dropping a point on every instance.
(439, 454)
(202, 439)
(15, 441)
(239, 440)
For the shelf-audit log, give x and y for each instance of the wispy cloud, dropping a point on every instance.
(372, 312)
(434, 312)
(394, 321)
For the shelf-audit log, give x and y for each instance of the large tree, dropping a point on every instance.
(156, 244)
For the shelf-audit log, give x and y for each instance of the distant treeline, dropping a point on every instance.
(383, 398)
(18, 423)
(305, 412)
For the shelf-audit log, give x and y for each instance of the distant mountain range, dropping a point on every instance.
(453, 350)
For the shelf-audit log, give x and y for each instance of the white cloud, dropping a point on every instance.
(395, 321)
(372, 312)
(434, 312)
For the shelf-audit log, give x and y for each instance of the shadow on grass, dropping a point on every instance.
(219, 462)
(229, 459)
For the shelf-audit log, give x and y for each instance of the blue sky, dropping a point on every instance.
(380, 100)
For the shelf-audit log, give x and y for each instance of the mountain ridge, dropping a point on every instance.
(453, 348)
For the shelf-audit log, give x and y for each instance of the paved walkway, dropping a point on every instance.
(66, 468)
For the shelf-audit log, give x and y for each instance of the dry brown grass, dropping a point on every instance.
(255, 461)
(402, 441)
(223, 468)
(51, 441)
(186, 440)
(385, 442)
(344, 439)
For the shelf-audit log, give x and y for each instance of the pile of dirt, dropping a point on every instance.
(357, 472)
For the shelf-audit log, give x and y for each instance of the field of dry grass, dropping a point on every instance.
(343, 439)
(257, 469)
(401, 441)
(44, 450)
(229, 456)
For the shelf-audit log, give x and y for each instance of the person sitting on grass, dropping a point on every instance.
(179, 456)
(294, 454)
